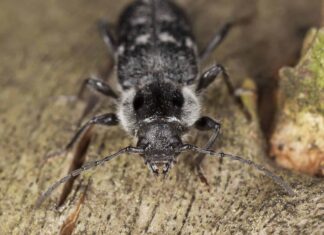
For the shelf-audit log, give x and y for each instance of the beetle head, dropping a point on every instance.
(161, 143)
(158, 114)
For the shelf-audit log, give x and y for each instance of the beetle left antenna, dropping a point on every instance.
(85, 167)
(275, 178)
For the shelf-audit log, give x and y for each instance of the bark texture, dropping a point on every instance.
(48, 47)
(298, 141)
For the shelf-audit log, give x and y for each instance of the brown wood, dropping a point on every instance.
(48, 47)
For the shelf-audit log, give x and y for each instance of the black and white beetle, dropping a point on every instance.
(157, 66)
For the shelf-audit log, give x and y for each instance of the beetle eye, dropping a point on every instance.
(177, 99)
(138, 101)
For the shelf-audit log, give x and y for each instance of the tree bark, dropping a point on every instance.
(48, 47)
(298, 140)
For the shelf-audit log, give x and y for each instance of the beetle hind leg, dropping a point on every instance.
(107, 37)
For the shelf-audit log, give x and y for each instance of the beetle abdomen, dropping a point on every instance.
(155, 42)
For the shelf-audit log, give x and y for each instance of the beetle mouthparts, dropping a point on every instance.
(160, 167)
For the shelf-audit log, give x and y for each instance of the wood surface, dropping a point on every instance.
(48, 47)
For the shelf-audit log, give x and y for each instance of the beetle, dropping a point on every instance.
(157, 67)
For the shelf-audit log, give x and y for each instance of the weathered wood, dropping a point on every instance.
(47, 47)
(298, 140)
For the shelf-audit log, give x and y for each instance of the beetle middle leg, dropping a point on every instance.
(206, 124)
(209, 77)
(108, 119)
(211, 74)
(99, 86)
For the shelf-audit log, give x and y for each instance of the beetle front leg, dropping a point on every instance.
(206, 124)
(108, 119)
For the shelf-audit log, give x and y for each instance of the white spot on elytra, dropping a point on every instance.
(189, 43)
(166, 17)
(139, 21)
(120, 50)
(166, 37)
(142, 39)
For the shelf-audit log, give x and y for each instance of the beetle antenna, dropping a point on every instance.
(83, 168)
(275, 178)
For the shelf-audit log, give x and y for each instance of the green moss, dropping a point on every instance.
(317, 59)
(303, 86)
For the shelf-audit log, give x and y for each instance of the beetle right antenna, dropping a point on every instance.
(275, 178)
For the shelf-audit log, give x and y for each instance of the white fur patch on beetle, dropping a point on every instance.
(142, 39)
(121, 50)
(166, 37)
(125, 113)
(166, 119)
(191, 107)
(189, 43)
(139, 21)
(166, 18)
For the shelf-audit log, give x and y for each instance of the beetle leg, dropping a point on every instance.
(97, 85)
(206, 124)
(211, 74)
(108, 119)
(107, 37)
(216, 40)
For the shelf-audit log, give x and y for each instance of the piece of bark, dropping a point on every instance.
(298, 140)
(47, 47)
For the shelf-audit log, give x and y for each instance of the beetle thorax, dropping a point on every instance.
(163, 102)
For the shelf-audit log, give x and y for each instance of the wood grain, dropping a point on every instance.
(47, 47)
